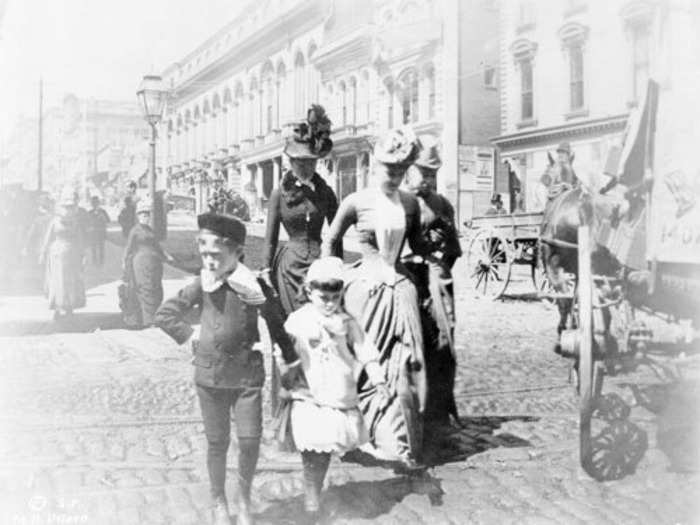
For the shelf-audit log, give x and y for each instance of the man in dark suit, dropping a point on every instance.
(229, 373)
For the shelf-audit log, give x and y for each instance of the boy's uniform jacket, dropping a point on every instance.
(224, 357)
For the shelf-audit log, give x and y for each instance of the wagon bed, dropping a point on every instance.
(495, 244)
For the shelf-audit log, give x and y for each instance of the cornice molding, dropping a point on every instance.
(556, 133)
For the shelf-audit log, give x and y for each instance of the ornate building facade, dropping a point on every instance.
(373, 64)
(571, 74)
(95, 146)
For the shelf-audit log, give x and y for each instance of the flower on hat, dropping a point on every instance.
(312, 137)
(398, 146)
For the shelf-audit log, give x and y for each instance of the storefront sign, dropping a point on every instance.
(475, 168)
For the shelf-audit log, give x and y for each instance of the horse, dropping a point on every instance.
(558, 238)
(569, 206)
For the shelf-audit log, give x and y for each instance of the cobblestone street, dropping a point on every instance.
(101, 426)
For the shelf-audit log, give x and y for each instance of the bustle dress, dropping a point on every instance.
(381, 296)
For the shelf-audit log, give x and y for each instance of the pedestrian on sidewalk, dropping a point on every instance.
(97, 230)
(127, 216)
(143, 270)
(228, 373)
(302, 205)
(380, 295)
(62, 252)
(433, 277)
(325, 415)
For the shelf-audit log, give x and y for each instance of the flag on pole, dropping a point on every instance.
(638, 148)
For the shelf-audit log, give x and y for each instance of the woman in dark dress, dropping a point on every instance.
(380, 295)
(433, 278)
(143, 269)
(302, 204)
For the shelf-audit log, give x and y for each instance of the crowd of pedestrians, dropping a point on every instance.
(366, 355)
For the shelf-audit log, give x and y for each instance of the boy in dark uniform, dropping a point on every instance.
(228, 374)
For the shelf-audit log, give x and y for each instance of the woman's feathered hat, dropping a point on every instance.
(398, 147)
(310, 138)
(429, 156)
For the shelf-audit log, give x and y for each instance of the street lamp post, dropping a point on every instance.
(152, 96)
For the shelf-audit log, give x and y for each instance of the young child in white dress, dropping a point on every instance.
(325, 418)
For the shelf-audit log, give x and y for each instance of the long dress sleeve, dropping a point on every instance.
(453, 250)
(331, 212)
(130, 244)
(344, 218)
(414, 232)
(274, 318)
(170, 317)
(46, 242)
(272, 232)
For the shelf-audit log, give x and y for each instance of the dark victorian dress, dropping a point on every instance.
(143, 266)
(301, 209)
(436, 295)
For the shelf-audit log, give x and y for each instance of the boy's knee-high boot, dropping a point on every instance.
(323, 461)
(248, 451)
(315, 467)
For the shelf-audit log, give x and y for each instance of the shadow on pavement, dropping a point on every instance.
(77, 323)
(449, 444)
(357, 500)
(371, 499)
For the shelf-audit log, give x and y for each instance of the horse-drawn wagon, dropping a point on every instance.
(497, 242)
(635, 300)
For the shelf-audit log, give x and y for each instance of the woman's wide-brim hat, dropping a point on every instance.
(398, 147)
(496, 197)
(429, 155)
(310, 138)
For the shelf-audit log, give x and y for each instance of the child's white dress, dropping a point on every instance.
(326, 417)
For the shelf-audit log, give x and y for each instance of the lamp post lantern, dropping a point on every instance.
(152, 96)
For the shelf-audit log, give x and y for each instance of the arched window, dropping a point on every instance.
(313, 78)
(430, 78)
(343, 100)
(389, 96)
(408, 84)
(353, 101)
(367, 95)
(281, 80)
(269, 96)
(252, 108)
(238, 112)
(299, 87)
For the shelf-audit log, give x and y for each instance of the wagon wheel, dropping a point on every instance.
(589, 376)
(540, 280)
(489, 261)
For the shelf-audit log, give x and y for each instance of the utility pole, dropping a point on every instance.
(41, 135)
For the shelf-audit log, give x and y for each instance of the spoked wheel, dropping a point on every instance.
(489, 261)
(587, 380)
(610, 446)
(543, 287)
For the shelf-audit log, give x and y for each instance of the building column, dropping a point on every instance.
(223, 126)
(213, 132)
(276, 168)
